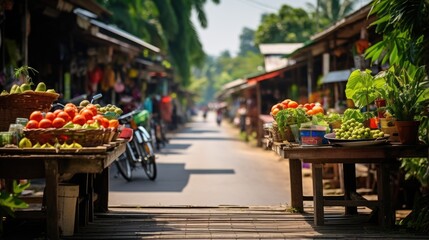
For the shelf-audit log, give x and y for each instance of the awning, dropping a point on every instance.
(265, 76)
(337, 76)
(87, 21)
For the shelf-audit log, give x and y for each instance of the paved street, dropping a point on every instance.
(207, 165)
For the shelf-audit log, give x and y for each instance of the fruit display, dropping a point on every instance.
(27, 87)
(309, 108)
(70, 127)
(354, 130)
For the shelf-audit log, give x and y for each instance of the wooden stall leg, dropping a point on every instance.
(295, 172)
(51, 173)
(316, 170)
(386, 212)
(101, 187)
(349, 185)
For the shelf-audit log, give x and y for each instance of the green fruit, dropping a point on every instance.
(76, 145)
(13, 88)
(84, 103)
(25, 87)
(18, 90)
(25, 143)
(118, 111)
(4, 92)
(41, 87)
(37, 145)
(47, 145)
(69, 125)
(51, 91)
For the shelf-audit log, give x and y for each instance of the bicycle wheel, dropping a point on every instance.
(147, 153)
(124, 166)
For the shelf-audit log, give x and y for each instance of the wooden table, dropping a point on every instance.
(383, 156)
(54, 165)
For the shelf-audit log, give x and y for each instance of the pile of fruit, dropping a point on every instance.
(84, 116)
(26, 87)
(310, 108)
(354, 130)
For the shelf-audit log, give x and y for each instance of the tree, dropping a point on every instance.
(290, 25)
(247, 42)
(330, 11)
(168, 25)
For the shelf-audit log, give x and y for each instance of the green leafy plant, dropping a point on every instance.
(24, 72)
(355, 114)
(363, 88)
(406, 91)
(290, 116)
(11, 201)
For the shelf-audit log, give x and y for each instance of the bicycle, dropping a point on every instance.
(139, 150)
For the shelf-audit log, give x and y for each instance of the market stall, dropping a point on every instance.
(384, 156)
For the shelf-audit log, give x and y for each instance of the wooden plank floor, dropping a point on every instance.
(228, 222)
(231, 223)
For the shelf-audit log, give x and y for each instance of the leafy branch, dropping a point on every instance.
(24, 72)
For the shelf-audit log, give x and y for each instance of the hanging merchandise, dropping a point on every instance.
(95, 76)
(119, 85)
(108, 79)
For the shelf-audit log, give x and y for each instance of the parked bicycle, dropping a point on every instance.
(139, 150)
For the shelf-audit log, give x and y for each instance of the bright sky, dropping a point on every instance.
(227, 19)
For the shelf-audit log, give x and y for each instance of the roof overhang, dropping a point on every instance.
(86, 21)
(337, 76)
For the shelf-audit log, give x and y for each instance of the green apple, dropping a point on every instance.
(51, 91)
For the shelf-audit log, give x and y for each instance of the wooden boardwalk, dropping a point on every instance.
(231, 223)
(228, 222)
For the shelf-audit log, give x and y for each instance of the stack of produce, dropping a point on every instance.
(72, 127)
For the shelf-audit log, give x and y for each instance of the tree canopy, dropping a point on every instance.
(290, 25)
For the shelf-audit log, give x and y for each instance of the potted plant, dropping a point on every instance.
(407, 95)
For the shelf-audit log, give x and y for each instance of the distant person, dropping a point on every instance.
(205, 110)
(242, 113)
(219, 113)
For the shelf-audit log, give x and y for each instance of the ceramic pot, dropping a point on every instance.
(408, 131)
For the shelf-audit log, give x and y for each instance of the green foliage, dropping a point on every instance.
(290, 116)
(24, 72)
(404, 25)
(363, 88)
(247, 43)
(406, 91)
(289, 25)
(355, 114)
(330, 11)
(10, 201)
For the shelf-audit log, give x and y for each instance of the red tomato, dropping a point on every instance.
(79, 119)
(36, 115)
(58, 122)
(308, 106)
(93, 109)
(45, 123)
(64, 116)
(50, 116)
(57, 111)
(71, 111)
(87, 114)
(32, 124)
(292, 104)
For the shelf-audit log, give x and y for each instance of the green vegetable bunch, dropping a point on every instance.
(290, 116)
(10, 201)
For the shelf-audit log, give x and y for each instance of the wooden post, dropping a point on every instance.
(316, 170)
(349, 184)
(296, 184)
(51, 173)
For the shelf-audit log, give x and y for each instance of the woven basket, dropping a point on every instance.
(85, 137)
(287, 135)
(109, 134)
(22, 105)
